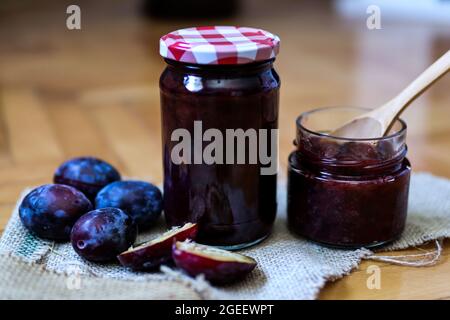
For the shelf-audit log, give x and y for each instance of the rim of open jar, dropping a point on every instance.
(393, 135)
(350, 166)
(299, 124)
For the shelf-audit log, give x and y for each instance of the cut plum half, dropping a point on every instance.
(150, 255)
(218, 266)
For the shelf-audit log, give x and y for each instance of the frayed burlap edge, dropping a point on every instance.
(21, 279)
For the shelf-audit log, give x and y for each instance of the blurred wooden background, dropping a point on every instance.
(95, 92)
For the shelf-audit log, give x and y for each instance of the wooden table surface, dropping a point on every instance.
(95, 92)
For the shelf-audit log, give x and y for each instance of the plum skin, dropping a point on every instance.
(216, 271)
(100, 235)
(87, 174)
(149, 258)
(51, 210)
(139, 199)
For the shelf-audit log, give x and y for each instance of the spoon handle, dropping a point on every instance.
(421, 83)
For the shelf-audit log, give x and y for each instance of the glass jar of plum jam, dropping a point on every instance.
(219, 97)
(347, 192)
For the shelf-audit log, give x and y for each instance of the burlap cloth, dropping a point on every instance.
(288, 267)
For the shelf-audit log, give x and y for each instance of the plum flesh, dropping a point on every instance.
(218, 266)
(150, 255)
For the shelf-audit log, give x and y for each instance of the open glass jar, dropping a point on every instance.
(219, 82)
(347, 192)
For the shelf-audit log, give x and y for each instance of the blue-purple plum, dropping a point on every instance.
(87, 174)
(140, 200)
(51, 210)
(100, 235)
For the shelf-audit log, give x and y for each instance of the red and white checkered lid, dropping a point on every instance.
(219, 45)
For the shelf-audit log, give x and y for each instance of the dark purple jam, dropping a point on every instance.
(346, 193)
(233, 203)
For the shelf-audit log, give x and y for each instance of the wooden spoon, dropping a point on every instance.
(377, 123)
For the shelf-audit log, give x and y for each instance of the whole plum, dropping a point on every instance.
(140, 200)
(100, 235)
(51, 210)
(87, 174)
